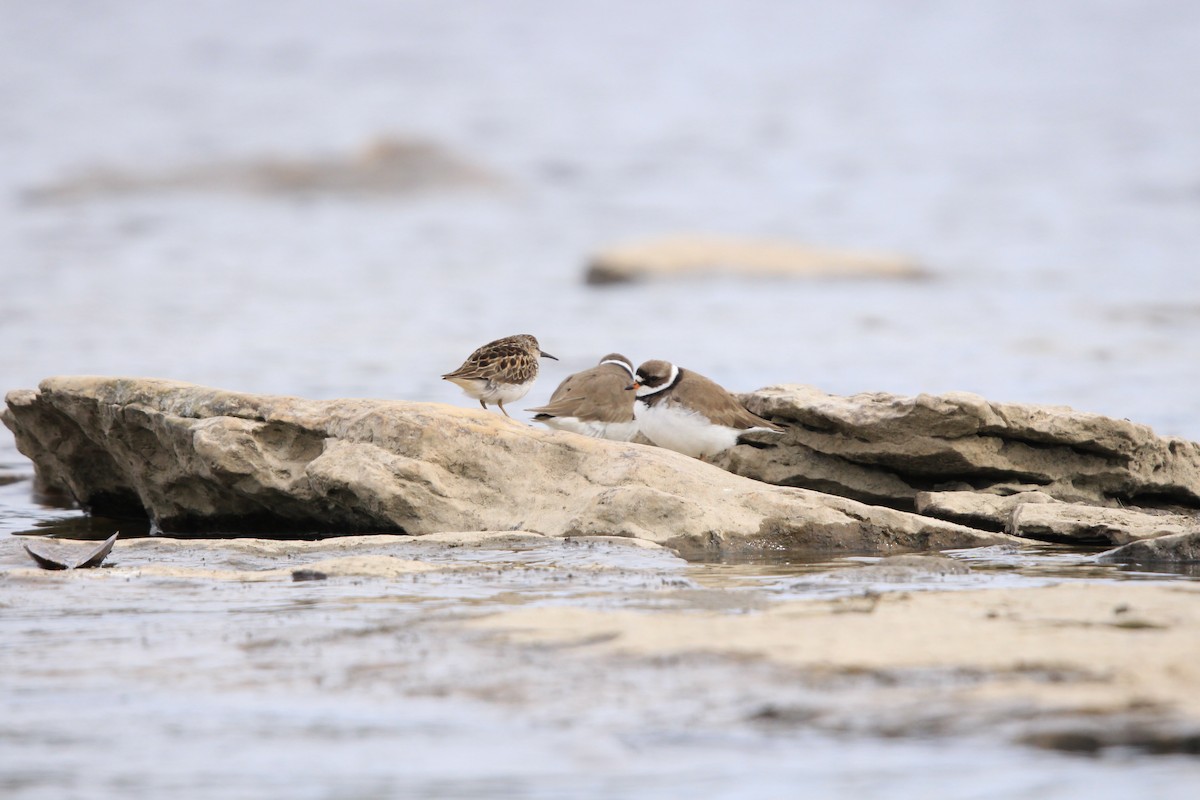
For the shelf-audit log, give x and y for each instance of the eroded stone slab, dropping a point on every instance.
(888, 449)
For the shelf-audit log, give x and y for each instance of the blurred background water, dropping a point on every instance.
(1041, 160)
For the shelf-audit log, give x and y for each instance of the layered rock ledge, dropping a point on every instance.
(1048, 473)
(867, 473)
(887, 449)
(202, 460)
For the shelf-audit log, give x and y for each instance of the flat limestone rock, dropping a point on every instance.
(200, 460)
(1175, 548)
(1094, 524)
(887, 449)
(977, 509)
(1037, 515)
(692, 256)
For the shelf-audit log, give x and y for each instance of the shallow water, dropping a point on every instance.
(182, 683)
(1039, 162)
(170, 680)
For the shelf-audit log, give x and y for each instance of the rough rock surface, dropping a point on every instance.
(1094, 524)
(689, 256)
(884, 448)
(977, 509)
(197, 459)
(1037, 515)
(1178, 548)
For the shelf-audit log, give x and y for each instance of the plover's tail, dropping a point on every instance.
(759, 444)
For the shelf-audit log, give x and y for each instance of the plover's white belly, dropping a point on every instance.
(617, 431)
(683, 430)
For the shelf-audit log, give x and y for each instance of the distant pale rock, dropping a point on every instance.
(384, 166)
(200, 460)
(690, 256)
(887, 449)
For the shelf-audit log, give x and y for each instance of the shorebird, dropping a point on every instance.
(684, 411)
(594, 402)
(501, 371)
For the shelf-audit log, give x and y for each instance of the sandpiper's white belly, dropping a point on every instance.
(617, 431)
(683, 430)
(493, 392)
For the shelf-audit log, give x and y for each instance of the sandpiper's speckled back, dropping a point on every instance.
(511, 360)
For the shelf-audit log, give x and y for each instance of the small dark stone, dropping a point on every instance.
(308, 575)
(1148, 735)
(784, 715)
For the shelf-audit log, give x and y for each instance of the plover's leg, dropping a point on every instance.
(483, 405)
(501, 404)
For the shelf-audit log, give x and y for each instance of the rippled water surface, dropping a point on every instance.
(1040, 161)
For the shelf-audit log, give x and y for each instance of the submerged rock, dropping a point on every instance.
(197, 460)
(1144, 732)
(691, 256)
(923, 663)
(888, 449)
(907, 568)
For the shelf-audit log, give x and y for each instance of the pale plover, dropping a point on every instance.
(684, 411)
(594, 402)
(501, 371)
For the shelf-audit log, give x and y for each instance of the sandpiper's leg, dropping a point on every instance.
(483, 405)
(502, 409)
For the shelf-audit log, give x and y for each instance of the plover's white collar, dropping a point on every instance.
(623, 365)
